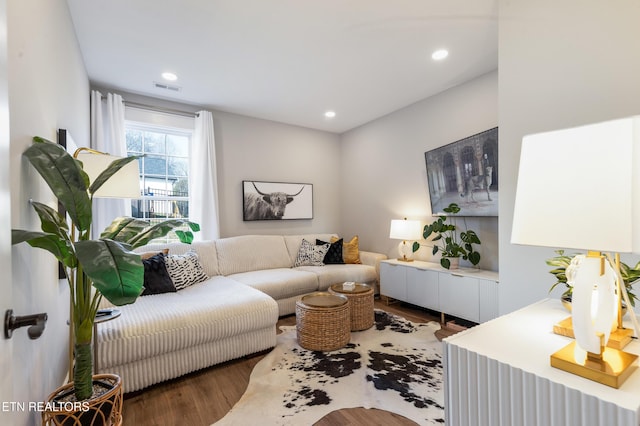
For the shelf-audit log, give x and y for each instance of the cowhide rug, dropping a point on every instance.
(396, 366)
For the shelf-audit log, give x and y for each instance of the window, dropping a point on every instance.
(164, 172)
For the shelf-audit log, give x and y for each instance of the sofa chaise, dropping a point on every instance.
(232, 313)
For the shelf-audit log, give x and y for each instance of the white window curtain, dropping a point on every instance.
(203, 183)
(107, 135)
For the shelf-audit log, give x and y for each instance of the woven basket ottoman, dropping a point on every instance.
(360, 304)
(322, 321)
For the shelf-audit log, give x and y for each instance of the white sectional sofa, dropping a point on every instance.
(233, 313)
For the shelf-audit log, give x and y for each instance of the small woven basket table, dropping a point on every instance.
(322, 321)
(360, 304)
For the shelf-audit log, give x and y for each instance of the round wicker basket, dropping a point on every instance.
(323, 321)
(360, 304)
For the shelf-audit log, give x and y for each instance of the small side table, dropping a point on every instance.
(103, 315)
(360, 304)
(322, 321)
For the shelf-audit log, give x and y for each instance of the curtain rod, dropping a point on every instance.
(161, 109)
(157, 108)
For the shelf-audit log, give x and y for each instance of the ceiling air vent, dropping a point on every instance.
(165, 86)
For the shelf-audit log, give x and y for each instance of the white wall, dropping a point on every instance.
(562, 64)
(6, 285)
(383, 169)
(250, 148)
(254, 149)
(49, 89)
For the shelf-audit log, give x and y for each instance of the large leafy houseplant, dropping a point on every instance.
(561, 261)
(449, 241)
(108, 264)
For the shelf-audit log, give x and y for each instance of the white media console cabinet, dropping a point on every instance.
(467, 293)
(499, 374)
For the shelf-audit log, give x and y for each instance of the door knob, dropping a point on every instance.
(35, 321)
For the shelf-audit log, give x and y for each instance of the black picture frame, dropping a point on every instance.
(465, 172)
(66, 141)
(263, 200)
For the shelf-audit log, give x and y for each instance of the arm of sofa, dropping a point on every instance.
(372, 259)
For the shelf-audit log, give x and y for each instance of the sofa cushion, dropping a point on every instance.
(280, 283)
(206, 253)
(185, 269)
(333, 274)
(209, 311)
(350, 250)
(334, 254)
(252, 253)
(156, 277)
(311, 254)
(293, 242)
(149, 254)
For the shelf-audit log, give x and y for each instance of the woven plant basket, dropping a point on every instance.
(105, 410)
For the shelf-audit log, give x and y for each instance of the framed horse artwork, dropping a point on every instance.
(465, 172)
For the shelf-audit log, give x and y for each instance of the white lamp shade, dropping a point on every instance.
(123, 184)
(580, 188)
(405, 230)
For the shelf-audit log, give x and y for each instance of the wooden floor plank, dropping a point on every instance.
(203, 397)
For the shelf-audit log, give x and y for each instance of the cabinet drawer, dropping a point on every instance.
(393, 281)
(459, 296)
(488, 290)
(422, 288)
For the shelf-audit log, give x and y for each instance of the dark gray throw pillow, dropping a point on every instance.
(156, 277)
(334, 255)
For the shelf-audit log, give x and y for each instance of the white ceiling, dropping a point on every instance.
(288, 60)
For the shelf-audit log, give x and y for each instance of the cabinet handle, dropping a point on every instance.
(457, 275)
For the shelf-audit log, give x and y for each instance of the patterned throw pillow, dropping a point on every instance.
(310, 254)
(334, 254)
(185, 269)
(156, 277)
(350, 250)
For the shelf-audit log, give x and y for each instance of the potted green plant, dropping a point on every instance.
(562, 260)
(451, 243)
(105, 267)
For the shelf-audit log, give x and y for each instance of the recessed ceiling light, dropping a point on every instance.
(440, 54)
(330, 114)
(169, 76)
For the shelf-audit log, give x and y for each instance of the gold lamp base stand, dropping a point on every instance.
(405, 259)
(612, 369)
(618, 339)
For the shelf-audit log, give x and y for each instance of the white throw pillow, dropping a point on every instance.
(185, 269)
(310, 254)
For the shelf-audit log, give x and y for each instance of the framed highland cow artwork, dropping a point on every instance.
(276, 200)
(465, 172)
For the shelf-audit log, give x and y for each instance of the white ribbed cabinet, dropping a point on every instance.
(389, 273)
(498, 374)
(466, 293)
(422, 288)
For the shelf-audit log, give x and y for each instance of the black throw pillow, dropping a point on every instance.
(156, 277)
(334, 255)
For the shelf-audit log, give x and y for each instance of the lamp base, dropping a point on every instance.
(405, 259)
(612, 370)
(618, 339)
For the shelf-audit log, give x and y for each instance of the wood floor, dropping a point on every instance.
(206, 396)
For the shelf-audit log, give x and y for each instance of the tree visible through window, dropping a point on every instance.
(164, 172)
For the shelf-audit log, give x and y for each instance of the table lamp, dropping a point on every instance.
(125, 183)
(580, 188)
(405, 230)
